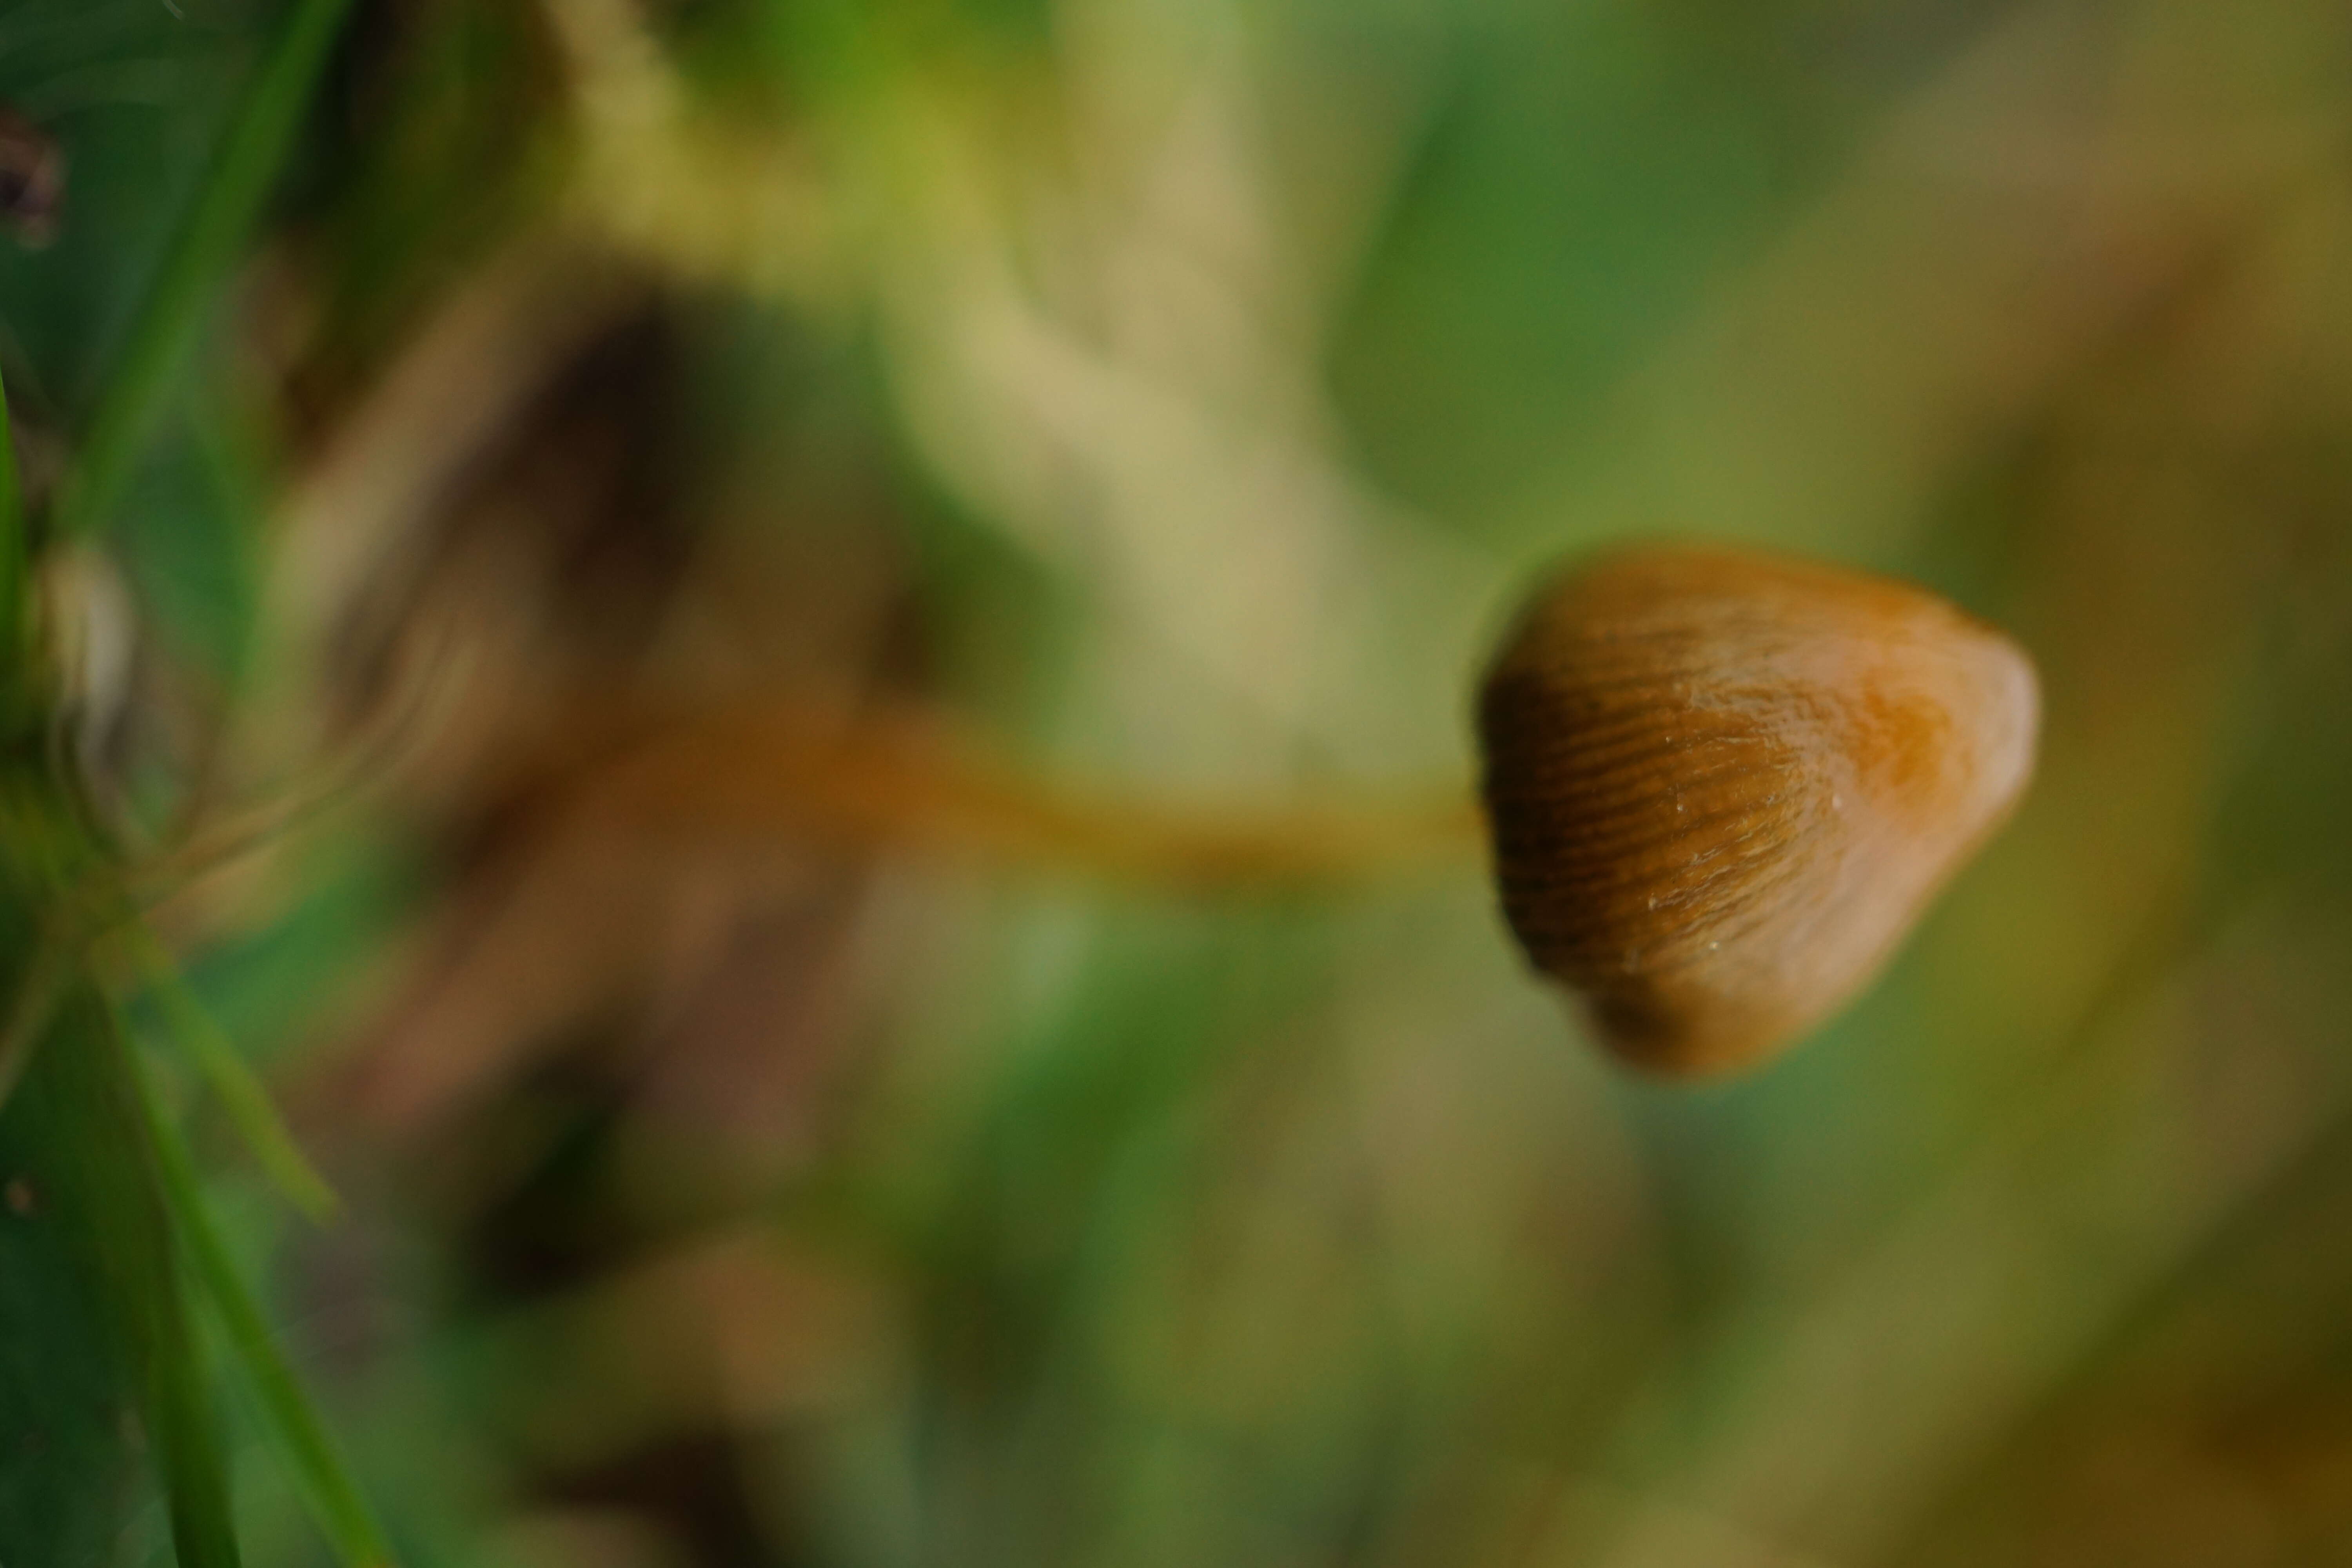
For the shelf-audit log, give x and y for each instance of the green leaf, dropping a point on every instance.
(309, 1449)
(186, 292)
(31, 1009)
(137, 97)
(241, 1094)
(80, 1109)
(187, 535)
(68, 1475)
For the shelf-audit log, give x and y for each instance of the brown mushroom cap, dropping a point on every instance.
(1722, 784)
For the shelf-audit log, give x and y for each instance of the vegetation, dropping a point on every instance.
(732, 752)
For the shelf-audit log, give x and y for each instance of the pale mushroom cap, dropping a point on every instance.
(1723, 785)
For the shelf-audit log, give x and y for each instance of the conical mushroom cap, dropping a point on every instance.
(1722, 786)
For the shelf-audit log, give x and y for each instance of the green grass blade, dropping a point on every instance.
(64, 1368)
(241, 1094)
(335, 1498)
(174, 313)
(97, 1092)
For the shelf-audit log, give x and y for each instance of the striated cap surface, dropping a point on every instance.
(1722, 786)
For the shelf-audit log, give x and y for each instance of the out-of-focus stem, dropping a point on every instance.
(768, 771)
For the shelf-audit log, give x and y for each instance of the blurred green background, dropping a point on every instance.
(762, 1142)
